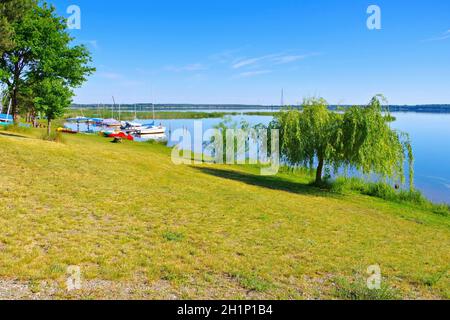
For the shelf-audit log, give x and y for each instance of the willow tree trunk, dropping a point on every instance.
(319, 171)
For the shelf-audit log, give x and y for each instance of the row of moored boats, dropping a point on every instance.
(115, 127)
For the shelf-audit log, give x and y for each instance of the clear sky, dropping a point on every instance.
(246, 51)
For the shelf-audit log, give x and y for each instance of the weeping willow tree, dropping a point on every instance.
(360, 138)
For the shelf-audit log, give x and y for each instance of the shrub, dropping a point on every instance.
(384, 191)
(381, 190)
(346, 185)
(53, 137)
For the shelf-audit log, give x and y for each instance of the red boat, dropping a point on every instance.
(121, 135)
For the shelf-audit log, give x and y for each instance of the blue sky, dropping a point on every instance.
(246, 51)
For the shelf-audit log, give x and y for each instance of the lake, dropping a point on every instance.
(430, 135)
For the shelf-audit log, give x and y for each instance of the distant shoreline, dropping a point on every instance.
(431, 108)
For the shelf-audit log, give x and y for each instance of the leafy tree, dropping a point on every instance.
(361, 138)
(52, 97)
(11, 11)
(370, 145)
(42, 50)
(310, 135)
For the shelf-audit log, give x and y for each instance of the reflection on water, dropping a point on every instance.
(430, 135)
(147, 137)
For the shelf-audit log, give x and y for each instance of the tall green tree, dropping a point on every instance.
(11, 11)
(310, 136)
(360, 138)
(42, 50)
(52, 97)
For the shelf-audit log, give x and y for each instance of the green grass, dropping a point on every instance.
(141, 227)
(173, 236)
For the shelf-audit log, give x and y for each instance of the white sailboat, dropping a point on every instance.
(151, 128)
(112, 122)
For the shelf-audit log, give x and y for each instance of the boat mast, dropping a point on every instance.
(112, 108)
(153, 107)
(9, 109)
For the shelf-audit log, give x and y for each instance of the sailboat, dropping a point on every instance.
(132, 126)
(151, 128)
(112, 122)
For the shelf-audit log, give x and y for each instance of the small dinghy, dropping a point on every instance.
(67, 130)
(117, 134)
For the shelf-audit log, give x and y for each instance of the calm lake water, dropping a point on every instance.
(430, 135)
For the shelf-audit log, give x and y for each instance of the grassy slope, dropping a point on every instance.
(141, 227)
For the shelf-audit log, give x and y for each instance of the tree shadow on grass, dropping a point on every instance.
(269, 182)
(12, 135)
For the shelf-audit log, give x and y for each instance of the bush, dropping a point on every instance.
(384, 191)
(346, 185)
(53, 137)
(381, 190)
(413, 196)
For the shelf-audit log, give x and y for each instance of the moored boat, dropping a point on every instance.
(96, 121)
(121, 135)
(116, 134)
(151, 130)
(131, 127)
(111, 123)
(78, 120)
(5, 119)
(67, 130)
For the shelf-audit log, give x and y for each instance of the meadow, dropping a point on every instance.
(140, 227)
